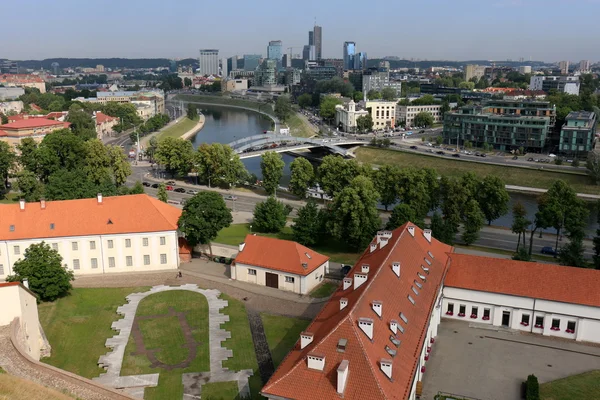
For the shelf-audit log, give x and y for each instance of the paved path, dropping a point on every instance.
(261, 346)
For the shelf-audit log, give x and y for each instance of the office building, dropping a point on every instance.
(232, 63)
(251, 61)
(474, 71)
(346, 116)
(320, 72)
(275, 50)
(286, 60)
(378, 79)
(309, 53)
(584, 66)
(318, 42)
(349, 55)
(578, 133)
(311, 38)
(408, 113)
(383, 113)
(224, 70)
(525, 69)
(360, 61)
(209, 62)
(266, 73)
(565, 84)
(9, 67)
(563, 66)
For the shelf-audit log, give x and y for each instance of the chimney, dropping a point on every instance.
(342, 376)
(359, 279)
(241, 246)
(365, 268)
(316, 361)
(343, 303)
(366, 325)
(394, 326)
(26, 283)
(99, 198)
(347, 283)
(42, 204)
(396, 268)
(377, 306)
(427, 234)
(386, 367)
(411, 230)
(22, 204)
(306, 338)
(373, 247)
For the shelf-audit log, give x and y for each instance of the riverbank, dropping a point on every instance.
(182, 127)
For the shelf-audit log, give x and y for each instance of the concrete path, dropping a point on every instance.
(261, 346)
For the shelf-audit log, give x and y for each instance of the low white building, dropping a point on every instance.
(280, 264)
(407, 114)
(94, 236)
(345, 117)
(7, 107)
(565, 84)
(383, 113)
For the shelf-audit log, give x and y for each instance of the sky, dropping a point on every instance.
(548, 30)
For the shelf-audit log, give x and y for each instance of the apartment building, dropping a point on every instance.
(104, 124)
(23, 81)
(36, 128)
(383, 113)
(578, 133)
(379, 79)
(565, 84)
(407, 114)
(474, 71)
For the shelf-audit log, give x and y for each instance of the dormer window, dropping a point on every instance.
(414, 290)
(411, 299)
(395, 340)
(403, 318)
(341, 346)
(429, 254)
(424, 268)
(421, 276)
(390, 351)
(427, 261)
(418, 284)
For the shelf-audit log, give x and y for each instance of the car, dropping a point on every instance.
(180, 190)
(146, 183)
(414, 147)
(549, 250)
(441, 153)
(515, 158)
(422, 131)
(192, 191)
(428, 144)
(230, 197)
(171, 183)
(429, 150)
(169, 187)
(530, 159)
(456, 155)
(155, 185)
(483, 155)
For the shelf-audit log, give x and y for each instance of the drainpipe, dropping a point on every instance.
(532, 323)
(102, 252)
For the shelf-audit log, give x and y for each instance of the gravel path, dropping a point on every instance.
(261, 346)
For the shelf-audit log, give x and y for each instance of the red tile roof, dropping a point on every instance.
(280, 255)
(293, 379)
(115, 215)
(3, 133)
(526, 279)
(34, 123)
(102, 118)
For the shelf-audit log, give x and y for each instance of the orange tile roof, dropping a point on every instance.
(3, 133)
(526, 279)
(280, 255)
(34, 123)
(293, 379)
(102, 118)
(116, 215)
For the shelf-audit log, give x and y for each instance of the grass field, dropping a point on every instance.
(324, 290)
(262, 107)
(178, 129)
(220, 391)
(165, 333)
(299, 127)
(235, 234)
(582, 386)
(447, 167)
(282, 333)
(14, 388)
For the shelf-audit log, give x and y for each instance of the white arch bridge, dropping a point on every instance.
(256, 145)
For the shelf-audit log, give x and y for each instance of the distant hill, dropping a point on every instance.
(445, 63)
(107, 62)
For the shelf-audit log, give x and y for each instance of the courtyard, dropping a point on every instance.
(489, 364)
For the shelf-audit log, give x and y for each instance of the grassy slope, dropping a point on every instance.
(264, 107)
(178, 129)
(10, 198)
(14, 388)
(511, 175)
(298, 126)
(282, 334)
(582, 386)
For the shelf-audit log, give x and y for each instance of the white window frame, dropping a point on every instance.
(111, 262)
(290, 279)
(92, 245)
(74, 246)
(17, 250)
(110, 244)
(146, 259)
(251, 272)
(163, 258)
(129, 261)
(94, 263)
(76, 264)
(145, 242)
(163, 240)
(128, 243)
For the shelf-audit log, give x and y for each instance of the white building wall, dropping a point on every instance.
(301, 284)
(18, 302)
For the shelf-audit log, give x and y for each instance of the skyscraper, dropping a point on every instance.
(584, 66)
(251, 61)
(349, 55)
(224, 69)
(275, 50)
(318, 42)
(209, 61)
(311, 38)
(232, 63)
(360, 61)
(564, 67)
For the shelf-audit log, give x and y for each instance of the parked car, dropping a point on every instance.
(155, 185)
(171, 183)
(180, 190)
(456, 155)
(549, 250)
(146, 183)
(169, 187)
(413, 147)
(441, 153)
(192, 191)
(515, 157)
(429, 150)
(483, 155)
(230, 197)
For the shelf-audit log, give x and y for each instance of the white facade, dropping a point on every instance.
(525, 69)
(101, 254)
(286, 281)
(379, 81)
(346, 117)
(566, 84)
(11, 106)
(209, 62)
(408, 113)
(383, 113)
(548, 318)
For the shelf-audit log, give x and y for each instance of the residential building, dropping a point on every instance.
(251, 61)
(383, 113)
(236, 84)
(280, 264)
(346, 116)
(104, 124)
(565, 84)
(349, 55)
(474, 71)
(36, 128)
(266, 73)
(94, 236)
(373, 338)
(379, 79)
(318, 42)
(209, 62)
(584, 66)
(275, 50)
(11, 93)
(525, 69)
(9, 67)
(23, 81)
(408, 113)
(563, 66)
(578, 133)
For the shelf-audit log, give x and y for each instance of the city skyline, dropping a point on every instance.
(501, 30)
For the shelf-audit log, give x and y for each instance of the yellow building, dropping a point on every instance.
(36, 128)
(383, 113)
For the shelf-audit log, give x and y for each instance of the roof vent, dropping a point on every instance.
(241, 246)
(424, 268)
(308, 255)
(427, 261)
(305, 265)
(387, 235)
(415, 291)
(306, 338)
(109, 222)
(394, 326)
(386, 367)
(341, 346)
(390, 351)
(347, 283)
(396, 268)
(342, 376)
(430, 254)
(411, 230)
(365, 268)
(359, 279)
(377, 306)
(316, 361)
(421, 276)
(395, 340)
(403, 318)
(22, 204)
(411, 299)
(343, 303)
(427, 234)
(99, 198)
(366, 325)
(42, 204)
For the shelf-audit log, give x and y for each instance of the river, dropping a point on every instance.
(225, 125)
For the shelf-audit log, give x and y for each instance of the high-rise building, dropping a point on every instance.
(474, 71)
(311, 38)
(209, 61)
(275, 50)
(232, 63)
(251, 61)
(584, 66)
(286, 60)
(309, 53)
(360, 62)
(265, 74)
(564, 67)
(349, 55)
(318, 41)
(224, 69)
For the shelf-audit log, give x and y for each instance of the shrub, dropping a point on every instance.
(533, 388)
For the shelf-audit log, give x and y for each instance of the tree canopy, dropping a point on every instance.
(271, 166)
(203, 216)
(302, 176)
(283, 108)
(309, 225)
(270, 216)
(175, 155)
(218, 164)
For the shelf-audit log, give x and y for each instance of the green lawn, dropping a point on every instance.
(178, 129)
(282, 334)
(298, 126)
(165, 333)
(582, 386)
(235, 234)
(77, 327)
(534, 257)
(220, 391)
(10, 198)
(511, 175)
(221, 100)
(324, 290)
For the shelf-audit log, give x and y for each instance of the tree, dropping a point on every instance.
(60, 150)
(66, 184)
(402, 214)
(175, 155)
(271, 166)
(137, 188)
(520, 222)
(29, 187)
(533, 388)
(270, 216)
(386, 183)
(187, 82)
(439, 140)
(454, 198)
(118, 165)
(151, 149)
(3, 119)
(162, 193)
(218, 164)
(335, 173)
(28, 157)
(96, 161)
(438, 228)
(473, 222)
(283, 108)
(327, 107)
(192, 111)
(308, 226)
(373, 94)
(302, 176)
(593, 166)
(305, 100)
(203, 216)
(354, 216)
(364, 123)
(82, 123)
(357, 96)
(467, 85)
(424, 118)
(7, 161)
(42, 268)
(388, 94)
(493, 198)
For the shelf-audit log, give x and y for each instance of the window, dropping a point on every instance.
(403, 318)
(94, 263)
(289, 279)
(251, 271)
(411, 299)
(129, 261)
(110, 244)
(462, 310)
(486, 314)
(76, 263)
(414, 290)
(539, 322)
(474, 312)
(55, 246)
(163, 258)
(163, 240)
(145, 242)
(17, 250)
(419, 285)
(111, 262)
(127, 242)
(555, 324)
(52, 226)
(92, 245)
(525, 319)
(427, 261)
(146, 259)
(74, 246)
(571, 327)
(1, 269)
(450, 310)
